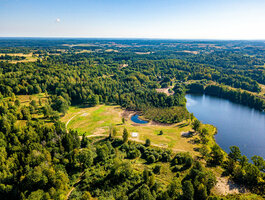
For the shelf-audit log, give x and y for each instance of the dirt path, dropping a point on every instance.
(137, 140)
(74, 186)
(165, 90)
(66, 124)
(69, 121)
(69, 193)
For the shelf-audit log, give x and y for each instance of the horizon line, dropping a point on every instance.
(124, 38)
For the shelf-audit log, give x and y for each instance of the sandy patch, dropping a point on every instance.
(225, 186)
(165, 90)
(187, 134)
(85, 114)
(142, 53)
(99, 131)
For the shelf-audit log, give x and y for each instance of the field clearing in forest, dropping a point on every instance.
(97, 120)
(29, 57)
(26, 99)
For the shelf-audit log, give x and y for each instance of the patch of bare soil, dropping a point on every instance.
(154, 123)
(123, 65)
(142, 53)
(187, 134)
(84, 114)
(165, 90)
(226, 186)
(128, 113)
(99, 131)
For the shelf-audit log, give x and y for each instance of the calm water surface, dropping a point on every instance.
(135, 119)
(237, 124)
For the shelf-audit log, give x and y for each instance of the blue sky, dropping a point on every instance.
(177, 19)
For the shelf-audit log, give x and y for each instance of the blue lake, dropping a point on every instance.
(237, 124)
(135, 119)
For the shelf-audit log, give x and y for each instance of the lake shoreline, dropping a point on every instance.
(234, 123)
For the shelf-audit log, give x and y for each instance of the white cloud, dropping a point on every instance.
(58, 20)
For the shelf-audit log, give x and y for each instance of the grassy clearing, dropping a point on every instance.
(96, 120)
(165, 174)
(26, 99)
(93, 120)
(29, 57)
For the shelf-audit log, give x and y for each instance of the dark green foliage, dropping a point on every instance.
(259, 162)
(37, 149)
(157, 169)
(151, 159)
(246, 173)
(236, 96)
(167, 115)
(131, 151)
(243, 160)
(84, 141)
(152, 155)
(195, 88)
(188, 191)
(85, 158)
(147, 142)
(235, 153)
(125, 135)
(142, 193)
(60, 104)
(217, 155)
(181, 161)
(201, 192)
(196, 125)
(202, 181)
(174, 189)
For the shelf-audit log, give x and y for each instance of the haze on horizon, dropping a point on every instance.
(172, 19)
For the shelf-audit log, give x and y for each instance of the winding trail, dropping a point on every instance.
(66, 124)
(76, 183)
(69, 121)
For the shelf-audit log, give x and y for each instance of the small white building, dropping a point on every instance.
(134, 134)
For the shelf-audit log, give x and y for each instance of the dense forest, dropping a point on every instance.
(43, 160)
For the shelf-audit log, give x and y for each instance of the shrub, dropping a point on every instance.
(157, 169)
(147, 142)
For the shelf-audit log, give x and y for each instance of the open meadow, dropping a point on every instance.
(28, 57)
(98, 120)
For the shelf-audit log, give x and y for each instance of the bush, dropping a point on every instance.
(151, 159)
(157, 169)
(147, 142)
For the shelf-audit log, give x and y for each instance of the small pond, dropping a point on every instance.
(135, 119)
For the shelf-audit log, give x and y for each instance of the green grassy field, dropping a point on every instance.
(97, 120)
